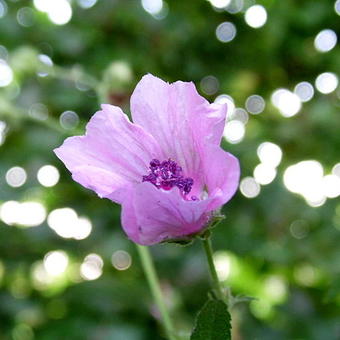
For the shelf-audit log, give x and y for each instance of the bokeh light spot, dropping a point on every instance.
(337, 7)
(256, 16)
(305, 275)
(325, 40)
(152, 6)
(38, 111)
(48, 175)
(269, 153)
(62, 221)
(304, 91)
(264, 174)
(331, 186)
(226, 99)
(219, 3)
(8, 212)
(56, 262)
(92, 267)
(262, 309)
(326, 82)
(299, 229)
(288, 103)
(121, 260)
(255, 104)
(275, 289)
(238, 114)
(226, 32)
(69, 120)
(235, 6)
(306, 178)
(209, 85)
(249, 187)
(25, 16)
(28, 214)
(82, 229)
(86, 3)
(6, 73)
(16, 176)
(336, 170)
(66, 223)
(45, 66)
(3, 53)
(42, 5)
(59, 12)
(3, 8)
(222, 263)
(234, 131)
(3, 128)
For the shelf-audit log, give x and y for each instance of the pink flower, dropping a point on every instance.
(166, 169)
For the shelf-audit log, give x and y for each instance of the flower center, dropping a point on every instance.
(168, 174)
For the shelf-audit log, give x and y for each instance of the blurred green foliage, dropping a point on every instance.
(280, 250)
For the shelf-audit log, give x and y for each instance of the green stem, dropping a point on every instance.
(153, 281)
(215, 281)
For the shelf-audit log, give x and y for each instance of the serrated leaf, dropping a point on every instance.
(212, 322)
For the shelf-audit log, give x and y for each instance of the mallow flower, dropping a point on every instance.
(166, 169)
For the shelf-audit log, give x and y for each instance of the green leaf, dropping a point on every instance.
(213, 322)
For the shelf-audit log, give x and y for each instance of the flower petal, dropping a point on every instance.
(222, 174)
(151, 215)
(179, 118)
(112, 155)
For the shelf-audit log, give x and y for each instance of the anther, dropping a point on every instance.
(168, 174)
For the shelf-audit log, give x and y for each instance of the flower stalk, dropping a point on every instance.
(155, 288)
(214, 277)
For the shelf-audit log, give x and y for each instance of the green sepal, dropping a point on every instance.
(180, 241)
(215, 220)
(188, 239)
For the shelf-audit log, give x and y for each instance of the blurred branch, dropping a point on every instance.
(50, 122)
